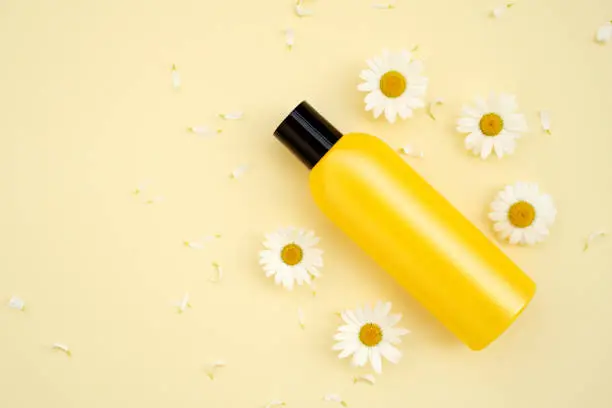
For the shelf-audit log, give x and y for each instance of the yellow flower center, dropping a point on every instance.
(292, 254)
(491, 124)
(392, 84)
(370, 334)
(521, 214)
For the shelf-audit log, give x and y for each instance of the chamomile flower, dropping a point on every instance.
(521, 214)
(394, 85)
(291, 257)
(369, 334)
(492, 125)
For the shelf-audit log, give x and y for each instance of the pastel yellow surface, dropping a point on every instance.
(89, 113)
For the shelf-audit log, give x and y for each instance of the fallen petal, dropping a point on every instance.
(593, 236)
(62, 347)
(16, 303)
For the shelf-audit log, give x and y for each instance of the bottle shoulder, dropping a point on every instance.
(356, 158)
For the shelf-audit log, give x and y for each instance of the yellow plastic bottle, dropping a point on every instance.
(409, 229)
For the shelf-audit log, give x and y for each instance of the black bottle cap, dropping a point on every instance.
(307, 134)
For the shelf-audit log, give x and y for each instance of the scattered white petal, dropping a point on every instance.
(183, 304)
(236, 115)
(212, 368)
(302, 11)
(194, 244)
(140, 188)
(301, 317)
(218, 272)
(176, 77)
(499, 11)
(432, 104)
(154, 200)
(16, 303)
(545, 121)
(604, 33)
(335, 398)
(200, 243)
(384, 6)
(62, 347)
(275, 404)
(290, 38)
(239, 171)
(409, 150)
(367, 378)
(593, 236)
(204, 131)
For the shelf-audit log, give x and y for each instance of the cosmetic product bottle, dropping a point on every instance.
(408, 228)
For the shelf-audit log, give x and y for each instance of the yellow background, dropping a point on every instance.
(89, 113)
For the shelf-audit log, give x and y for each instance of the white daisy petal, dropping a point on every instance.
(404, 112)
(332, 397)
(545, 121)
(376, 360)
(497, 12)
(183, 304)
(176, 77)
(289, 38)
(474, 140)
(487, 147)
(204, 131)
(593, 236)
(409, 150)
(383, 6)
(154, 200)
(62, 347)
(432, 104)
(604, 33)
(467, 125)
(235, 115)
(366, 87)
(302, 11)
(16, 303)
(349, 349)
(390, 352)
(378, 110)
(366, 378)
(212, 368)
(360, 358)
(516, 237)
(239, 171)
(275, 404)
(218, 272)
(521, 214)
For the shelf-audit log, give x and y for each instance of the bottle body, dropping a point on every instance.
(418, 237)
